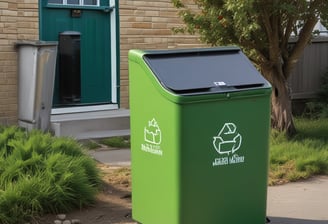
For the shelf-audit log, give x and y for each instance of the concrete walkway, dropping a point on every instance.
(304, 202)
(119, 157)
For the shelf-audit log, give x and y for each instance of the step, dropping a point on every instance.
(95, 124)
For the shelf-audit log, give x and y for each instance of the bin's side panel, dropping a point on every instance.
(27, 66)
(154, 150)
(224, 160)
(45, 85)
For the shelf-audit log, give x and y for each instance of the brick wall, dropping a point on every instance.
(143, 25)
(148, 25)
(18, 20)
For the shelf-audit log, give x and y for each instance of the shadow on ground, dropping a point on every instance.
(281, 220)
(113, 202)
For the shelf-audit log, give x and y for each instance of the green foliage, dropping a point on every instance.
(302, 156)
(323, 92)
(261, 27)
(324, 17)
(42, 174)
(90, 144)
(316, 129)
(316, 110)
(117, 142)
(238, 19)
(319, 108)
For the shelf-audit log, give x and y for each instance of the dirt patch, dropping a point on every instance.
(113, 204)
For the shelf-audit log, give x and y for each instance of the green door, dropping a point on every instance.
(92, 20)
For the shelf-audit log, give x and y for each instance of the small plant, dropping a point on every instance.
(323, 92)
(117, 142)
(90, 144)
(316, 109)
(319, 108)
(43, 174)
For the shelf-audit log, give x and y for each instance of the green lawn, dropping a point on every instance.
(302, 156)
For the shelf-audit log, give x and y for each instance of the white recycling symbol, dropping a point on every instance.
(228, 140)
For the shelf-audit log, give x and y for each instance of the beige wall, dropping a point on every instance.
(18, 20)
(143, 25)
(147, 25)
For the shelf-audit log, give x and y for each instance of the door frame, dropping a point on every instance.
(113, 9)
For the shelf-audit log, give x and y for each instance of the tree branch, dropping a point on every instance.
(304, 37)
(285, 38)
(303, 40)
(266, 23)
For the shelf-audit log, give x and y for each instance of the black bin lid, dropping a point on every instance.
(197, 71)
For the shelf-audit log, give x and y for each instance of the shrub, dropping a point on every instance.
(319, 108)
(43, 174)
(323, 92)
(117, 142)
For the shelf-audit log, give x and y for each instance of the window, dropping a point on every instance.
(75, 2)
(91, 2)
(55, 1)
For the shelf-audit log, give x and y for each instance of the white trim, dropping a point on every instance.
(113, 47)
(68, 110)
(81, 3)
(113, 61)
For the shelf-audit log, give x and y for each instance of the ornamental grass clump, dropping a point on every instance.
(43, 174)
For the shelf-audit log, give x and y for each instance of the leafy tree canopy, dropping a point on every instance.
(262, 28)
(255, 25)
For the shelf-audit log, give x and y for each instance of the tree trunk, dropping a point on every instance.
(281, 105)
(281, 114)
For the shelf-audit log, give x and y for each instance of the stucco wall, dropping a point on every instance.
(143, 25)
(18, 21)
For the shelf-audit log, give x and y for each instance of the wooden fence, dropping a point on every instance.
(305, 79)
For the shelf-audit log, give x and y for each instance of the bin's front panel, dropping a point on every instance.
(154, 152)
(224, 161)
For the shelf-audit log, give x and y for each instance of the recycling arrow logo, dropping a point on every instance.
(228, 140)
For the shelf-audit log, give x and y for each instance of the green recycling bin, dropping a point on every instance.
(200, 122)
